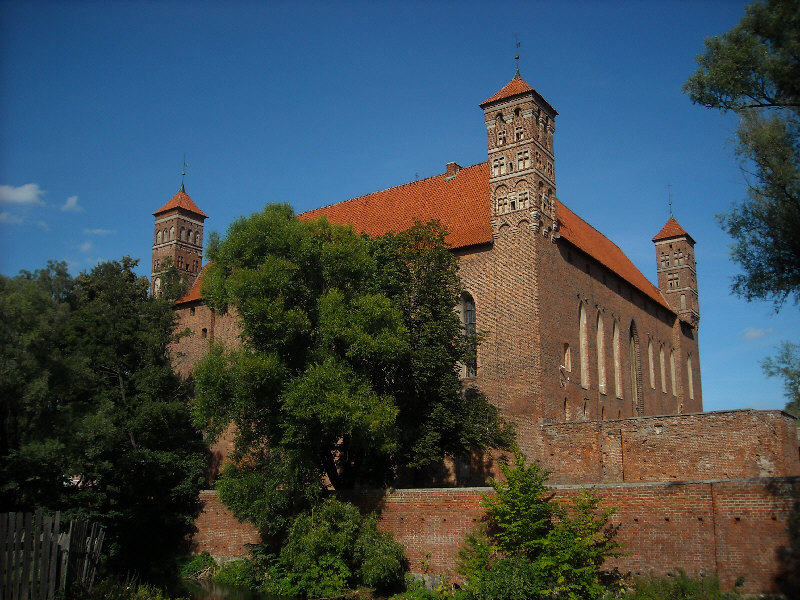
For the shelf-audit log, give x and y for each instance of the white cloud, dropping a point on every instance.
(30, 193)
(71, 205)
(6, 217)
(99, 231)
(85, 246)
(43, 225)
(751, 333)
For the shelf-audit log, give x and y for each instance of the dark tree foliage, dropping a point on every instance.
(96, 423)
(754, 70)
(347, 371)
(786, 366)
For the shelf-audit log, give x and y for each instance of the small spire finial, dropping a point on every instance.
(516, 56)
(669, 193)
(183, 171)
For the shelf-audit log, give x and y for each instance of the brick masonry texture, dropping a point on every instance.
(218, 532)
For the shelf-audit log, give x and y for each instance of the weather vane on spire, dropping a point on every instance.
(183, 170)
(516, 56)
(669, 193)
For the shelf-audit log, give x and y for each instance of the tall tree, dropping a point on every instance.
(347, 371)
(99, 423)
(754, 70)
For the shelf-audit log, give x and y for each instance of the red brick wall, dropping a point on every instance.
(218, 532)
(719, 445)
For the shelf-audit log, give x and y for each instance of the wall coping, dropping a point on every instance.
(546, 422)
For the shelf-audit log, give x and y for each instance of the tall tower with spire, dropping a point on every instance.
(677, 271)
(177, 236)
(520, 124)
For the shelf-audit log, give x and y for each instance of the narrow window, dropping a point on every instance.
(683, 301)
(636, 371)
(689, 376)
(672, 373)
(566, 410)
(183, 234)
(512, 202)
(502, 164)
(567, 358)
(584, 346)
(502, 205)
(192, 311)
(652, 364)
(617, 367)
(601, 355)
(204, 333)
(171, 233)
(663, 370)
(584, 410)
(501, 137)
(158, 237)
(523, 199)
(518, 133)
(468, 322)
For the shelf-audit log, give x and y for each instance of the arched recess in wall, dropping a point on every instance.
(637, 396)
(466, 311)
(158, 237)
(583, 345)
(617, 361)
(601, 354)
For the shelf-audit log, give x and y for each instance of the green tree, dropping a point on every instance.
(100, 423)
(535, 547)
(754, 70)
(786, 365)
(347, 368)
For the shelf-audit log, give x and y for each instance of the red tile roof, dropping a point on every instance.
(671, 229)
(460, 203)
(194, 292)
(512, 88)
(585, 237)
(181, 200)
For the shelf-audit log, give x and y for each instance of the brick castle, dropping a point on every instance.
(597, 367)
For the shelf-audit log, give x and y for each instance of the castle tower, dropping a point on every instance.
(178, 236)
(677, 272)
(520, 125)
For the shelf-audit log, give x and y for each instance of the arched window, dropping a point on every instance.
(601, 355)
(617, 365)
(158, 237)
(663, 369)
(567, 358)
(183, 234)
(466, 310)
(171, 233)
(157, 287)
(689, 376)
(584, 346)
(636, 370)
(197, 237)
(672, 373)
(652, 364)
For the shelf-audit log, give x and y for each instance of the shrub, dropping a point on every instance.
(679, 587)
(237, 573)
(330, 549)
(198, 566)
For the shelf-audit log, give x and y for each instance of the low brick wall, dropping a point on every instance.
(734, 528)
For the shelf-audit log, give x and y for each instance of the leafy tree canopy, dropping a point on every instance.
(786, 366)
(94, 422)
(347, 370)
(754, 70)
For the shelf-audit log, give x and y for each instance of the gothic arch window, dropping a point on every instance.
(171, 233)
(689, 377)
(158, 237)
(466, 311)
(183, 234)
(672, 373)
(166, 235)
(617, 362)
(663, 369)
(567, 358)
(197, 238)
(636, 370)
(583, 346)
(651, 364)
(601, 354)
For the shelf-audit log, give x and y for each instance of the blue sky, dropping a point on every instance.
(312, 103)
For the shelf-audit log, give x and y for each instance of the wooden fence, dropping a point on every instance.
(39, 562)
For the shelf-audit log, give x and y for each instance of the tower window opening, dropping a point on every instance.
(519, 133)
(523, 160)
(501, 137)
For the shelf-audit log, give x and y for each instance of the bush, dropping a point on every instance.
(535, 548)
(198, 566)
(237, 573)
(679, 587)
(333, 548)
